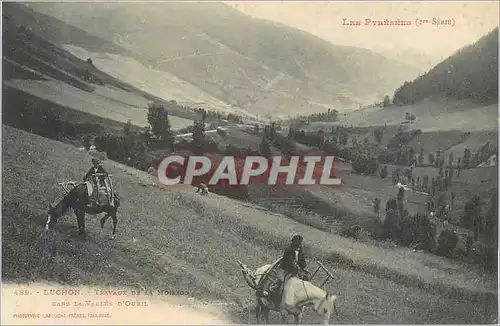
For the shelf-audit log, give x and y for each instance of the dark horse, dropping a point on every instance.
(78, 199)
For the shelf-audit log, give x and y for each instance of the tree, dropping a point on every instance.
(135, 152)
(160, 125)
(437, 161)
(256, 128)
(198, 136)
(147, 136)
(421, 157)
(393, 177)
(441, 163)
(127, 128)
(221, 132)
(472, 215)
(376, 206)
(419, 182)
(450, 175)
(400, 198)
(378, 133)
(466, 158)
(87, 142)
(383, 172)
(484, 153)
(440, 205)
(425, 181)
(264, 146)
(365, 164)
(491, 218)
(391, 224)
(459, 167)
(447, 242)
(423, 231)
(387, 101)
(431, 158)
(450, 159)
(344, 137)
(204, 115)
(411, 155)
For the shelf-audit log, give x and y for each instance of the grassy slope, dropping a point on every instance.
(186, 242)
(59, 78)
(151, 80)
(13, 98)
(433, 114)
(106, 102)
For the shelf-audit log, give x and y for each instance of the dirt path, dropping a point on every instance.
(92, 305)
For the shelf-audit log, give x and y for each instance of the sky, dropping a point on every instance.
(324, 19)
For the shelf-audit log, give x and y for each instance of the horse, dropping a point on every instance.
(296, 295)
(78, 199)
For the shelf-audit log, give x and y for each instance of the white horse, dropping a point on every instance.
(296, 295)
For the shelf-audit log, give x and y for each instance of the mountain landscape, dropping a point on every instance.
(236, 58)
(459, 93)
(130, 82)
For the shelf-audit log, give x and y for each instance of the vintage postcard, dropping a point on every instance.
(249, 162)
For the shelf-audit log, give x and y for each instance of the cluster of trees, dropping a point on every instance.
(210, 115)
(130, 149)
(397, 151)
(478, 216)
(272, 137)
(468, 160)
(404, 229)
(365, 155)
(134, 148)
(482, 155)
(481, 217)
(385, 102)
(330, 116)
(416, 231)
(43, 118)
(338, 136)
(409, 117)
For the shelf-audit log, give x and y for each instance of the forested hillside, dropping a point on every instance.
(470, 73)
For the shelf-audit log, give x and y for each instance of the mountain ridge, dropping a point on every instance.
(204, 37)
